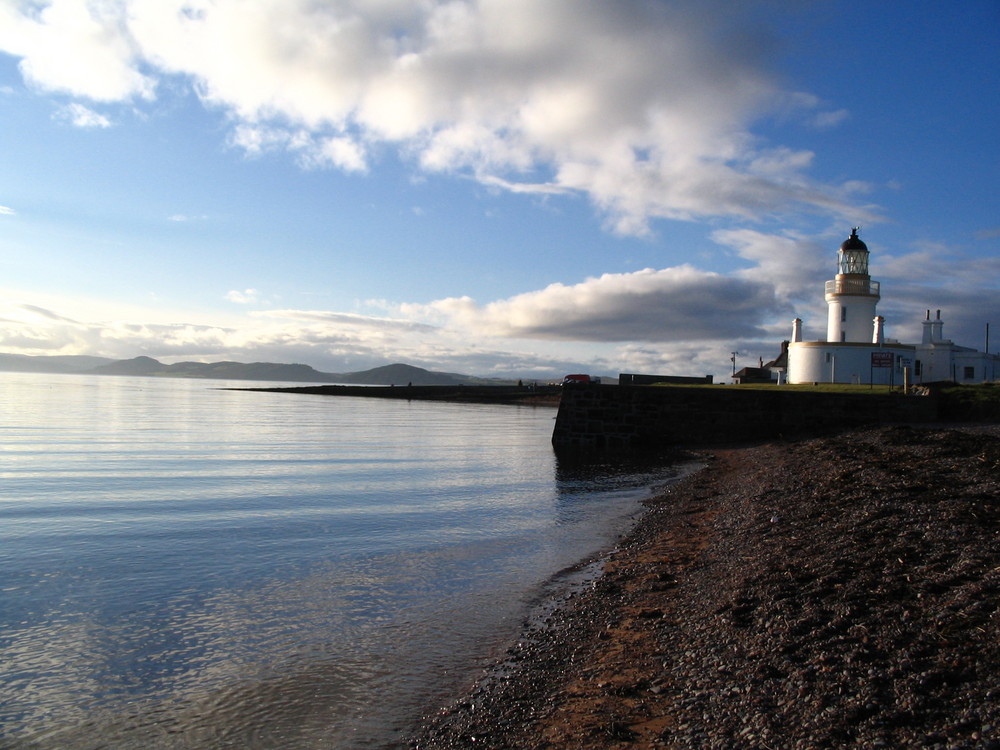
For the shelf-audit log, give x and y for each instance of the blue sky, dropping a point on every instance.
(504, 187)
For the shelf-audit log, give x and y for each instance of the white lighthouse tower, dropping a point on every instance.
(857, 349)
(852, 296)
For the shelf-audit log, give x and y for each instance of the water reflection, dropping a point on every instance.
(189, 568)
(583, 479)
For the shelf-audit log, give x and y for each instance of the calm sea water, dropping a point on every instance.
(188, 567)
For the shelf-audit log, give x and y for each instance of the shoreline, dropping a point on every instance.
(841, 591)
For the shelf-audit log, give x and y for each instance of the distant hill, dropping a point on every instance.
(396, 374)
(400, 374)
(149, 367)
(137, 366)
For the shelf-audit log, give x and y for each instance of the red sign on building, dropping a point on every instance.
(881, 359)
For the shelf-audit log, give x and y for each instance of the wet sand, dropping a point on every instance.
(837, 592)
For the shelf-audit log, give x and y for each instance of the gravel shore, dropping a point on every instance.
(837, 592)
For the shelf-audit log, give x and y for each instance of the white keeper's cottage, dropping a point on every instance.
(856, 349)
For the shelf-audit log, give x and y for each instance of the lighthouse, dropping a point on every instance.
(857, 350)
(852, 296)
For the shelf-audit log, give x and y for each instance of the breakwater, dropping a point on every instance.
(626, 417)
(485, 394)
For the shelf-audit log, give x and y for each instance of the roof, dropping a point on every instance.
(854, 242)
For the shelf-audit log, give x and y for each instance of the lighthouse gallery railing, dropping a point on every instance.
(853, 286)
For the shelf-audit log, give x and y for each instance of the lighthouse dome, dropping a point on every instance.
(853, 256)
(854, 242)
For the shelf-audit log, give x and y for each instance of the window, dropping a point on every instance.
(917, 368)
(843, 335)
(853, 261)
(843, 315)
(970, 373)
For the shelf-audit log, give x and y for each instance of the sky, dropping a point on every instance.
(511, 188)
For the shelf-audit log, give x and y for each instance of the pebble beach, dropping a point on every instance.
(835, 592)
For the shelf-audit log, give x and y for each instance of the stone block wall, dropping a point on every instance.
(629, 417)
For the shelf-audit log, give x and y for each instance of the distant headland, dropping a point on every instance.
(395, 374)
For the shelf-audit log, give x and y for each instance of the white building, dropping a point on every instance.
(856, 349)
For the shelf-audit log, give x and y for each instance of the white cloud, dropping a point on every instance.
(832, 119)
(667, 305)
(80, 48)
(36, 310)
(342, 342)
(645, 108)
(256, 140)
(334, 341)
(343, 153)
(678, 320)
(793, 266)
(7, 211)
(350, 320)
(312, 151)
(246, 297)
(937, 265)
(83, 117)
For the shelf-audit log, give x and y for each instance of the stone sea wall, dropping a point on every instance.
(620, 417)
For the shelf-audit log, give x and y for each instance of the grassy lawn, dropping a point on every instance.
(826, 388)
(975, 403)
(958, 403)
(802, 388)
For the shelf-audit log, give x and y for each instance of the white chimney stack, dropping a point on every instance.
(878, 334)
(797, 329)
(928, 335)
(936, 328)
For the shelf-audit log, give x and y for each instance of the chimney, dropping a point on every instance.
(797, 329)
(936, 327)
(928, 329)
(878, 334)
